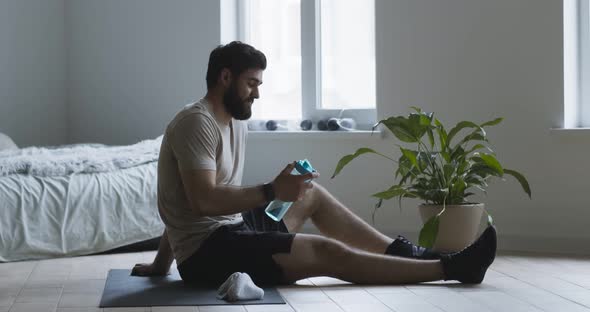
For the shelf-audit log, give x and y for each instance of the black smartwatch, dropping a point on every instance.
(269, 192)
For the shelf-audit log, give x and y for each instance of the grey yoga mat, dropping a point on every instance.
(123, 290)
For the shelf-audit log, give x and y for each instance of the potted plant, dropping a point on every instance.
(441, 169)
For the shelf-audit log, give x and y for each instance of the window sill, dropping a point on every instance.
(570, 132)
(376, 135)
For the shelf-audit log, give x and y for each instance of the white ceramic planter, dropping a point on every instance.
(458, 226)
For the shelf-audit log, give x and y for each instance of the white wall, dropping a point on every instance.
(132, 64)
(32, 72)
(467, 60)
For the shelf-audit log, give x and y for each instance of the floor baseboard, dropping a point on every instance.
(567, 246)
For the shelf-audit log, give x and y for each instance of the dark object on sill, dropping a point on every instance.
(333, 124)
(342, 124)
(271, 125)
(306, 124)
(323, 125)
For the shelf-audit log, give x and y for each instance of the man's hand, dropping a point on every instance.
(148, 269)
(289, 187)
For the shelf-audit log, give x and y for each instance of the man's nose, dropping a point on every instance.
(255, 93)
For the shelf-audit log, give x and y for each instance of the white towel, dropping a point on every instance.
(239, 286)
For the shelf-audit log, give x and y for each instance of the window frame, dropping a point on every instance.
(576, 64)
(311, 66)
(583, 33)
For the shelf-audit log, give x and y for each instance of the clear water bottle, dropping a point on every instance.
(276, 209)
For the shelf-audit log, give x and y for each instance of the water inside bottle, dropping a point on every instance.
(277, 209)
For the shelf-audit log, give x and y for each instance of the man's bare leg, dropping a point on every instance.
(335, 220)
(314, 255)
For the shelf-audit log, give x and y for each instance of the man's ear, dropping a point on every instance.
(225, 77)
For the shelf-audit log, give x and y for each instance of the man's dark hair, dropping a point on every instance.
(235, 56)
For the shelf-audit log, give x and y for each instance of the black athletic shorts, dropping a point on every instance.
(245, 247)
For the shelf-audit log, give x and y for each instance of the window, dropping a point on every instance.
(321, 58)
(576, 41)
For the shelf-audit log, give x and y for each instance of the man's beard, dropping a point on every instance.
(238, 108)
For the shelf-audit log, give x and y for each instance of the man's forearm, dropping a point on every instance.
(164, 257)
(226, 200)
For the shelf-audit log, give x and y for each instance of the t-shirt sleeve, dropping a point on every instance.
(194, 141)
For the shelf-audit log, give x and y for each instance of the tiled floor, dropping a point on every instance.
(516, 282)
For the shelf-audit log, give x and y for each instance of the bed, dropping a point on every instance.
(77, 199)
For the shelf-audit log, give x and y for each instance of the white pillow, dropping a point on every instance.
(6, 142)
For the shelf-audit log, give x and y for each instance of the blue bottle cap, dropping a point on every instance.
(303, 166)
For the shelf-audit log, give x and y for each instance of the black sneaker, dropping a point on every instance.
(469, 265)
(402, 247)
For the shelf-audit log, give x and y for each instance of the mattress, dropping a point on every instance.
(81, 213)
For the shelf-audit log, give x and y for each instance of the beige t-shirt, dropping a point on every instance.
(195, 140)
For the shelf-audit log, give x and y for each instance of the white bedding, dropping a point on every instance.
(80, 213)
(77, 158)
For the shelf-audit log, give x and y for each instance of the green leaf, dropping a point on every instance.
(458, 153)
(426, 159)
(377, 206)
(475, 136)
(458, 192)
(430, 137)
(476, 147)
(442, 134)
(474, 179)
(410, 155)
(348, 158)
(436, 195)
(492, 122)
(483, 170)
(521, 179)
(463, 166)
(448, 170)
(491, 161)
(426, 119)
(392, 192)
(460, 126)
(490, 219)
(485, 192)
(429, 232)
(405, 167)
(468, 194)
(405, 129)
(407, 176)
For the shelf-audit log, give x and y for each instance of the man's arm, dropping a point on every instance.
(210, 199)
(162, 262)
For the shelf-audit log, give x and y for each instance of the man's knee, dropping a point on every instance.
(315, 198)
(329, 250)
(303, 209)
(317, 190)
(313, 255)
(315, 250)
(332, 256)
